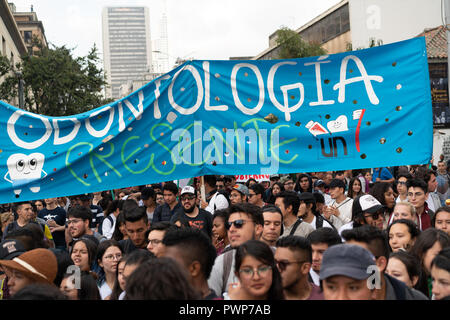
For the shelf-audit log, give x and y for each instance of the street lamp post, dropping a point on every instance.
(21, 85)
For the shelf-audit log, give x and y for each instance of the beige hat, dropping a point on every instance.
(38, 264)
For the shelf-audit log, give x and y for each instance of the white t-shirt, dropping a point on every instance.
(347, 226)
(104, 290)
(218, 201)
(315, 277)
(107, 227)
(325, 224)
(345, 209)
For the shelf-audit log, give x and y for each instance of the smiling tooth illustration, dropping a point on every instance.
(25, 169)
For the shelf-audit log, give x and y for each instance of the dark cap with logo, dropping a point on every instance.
(9, 249)
(347, 260)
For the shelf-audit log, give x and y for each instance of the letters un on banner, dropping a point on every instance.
(362, 109)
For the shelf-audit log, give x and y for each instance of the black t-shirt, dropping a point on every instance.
(202, 221)
(59, 215)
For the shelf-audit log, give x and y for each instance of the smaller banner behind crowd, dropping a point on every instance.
(362, 109)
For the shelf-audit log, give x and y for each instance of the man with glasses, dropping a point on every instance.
(191, 214)
(245, 222)
(288, 183)
(156, 235)
(78, 221)
(401, 187)
(293, 258)
(220, 184)
(417, 196)
(238, 194)
(255, 195)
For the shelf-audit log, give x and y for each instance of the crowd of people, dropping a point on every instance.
(372, 234)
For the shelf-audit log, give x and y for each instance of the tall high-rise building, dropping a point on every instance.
(161, 46)
(127, 50)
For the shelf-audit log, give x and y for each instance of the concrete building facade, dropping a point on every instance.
(127, 50)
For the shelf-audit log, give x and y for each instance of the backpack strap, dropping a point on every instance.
(227, 261)
(319, 222)
(294, 228)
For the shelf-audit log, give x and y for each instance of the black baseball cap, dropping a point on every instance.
(9, 249)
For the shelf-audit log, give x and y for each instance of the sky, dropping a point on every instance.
(198, 29)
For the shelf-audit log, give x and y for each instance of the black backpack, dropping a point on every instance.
(320, 220)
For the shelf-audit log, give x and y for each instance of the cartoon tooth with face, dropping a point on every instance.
(25, 170)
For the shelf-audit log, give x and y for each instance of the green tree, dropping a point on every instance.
(56, 83)
(291, 45)
(372, 43)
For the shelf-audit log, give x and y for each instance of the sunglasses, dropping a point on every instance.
(375, 215)
(238, 224)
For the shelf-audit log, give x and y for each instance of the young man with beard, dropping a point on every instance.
(293, 258)
(308, 213)
(193, 215)
(273, 225)
(136, 224)
(238, 194)
(321, 239)
(25, 215)
(245, 222)
(78, 222)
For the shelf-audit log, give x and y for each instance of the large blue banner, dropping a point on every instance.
(361, 109)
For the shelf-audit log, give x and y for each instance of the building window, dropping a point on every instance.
(27, 36)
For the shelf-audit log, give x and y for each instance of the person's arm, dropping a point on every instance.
(215, 280)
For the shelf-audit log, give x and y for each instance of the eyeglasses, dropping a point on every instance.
(73, 221)
(237, 223)
(251, 195)
(250, 272)
(283, 264)
(402, 182)
(111, 257)
(155, 241)
(187, 198)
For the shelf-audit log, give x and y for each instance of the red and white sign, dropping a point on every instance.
(257, 177)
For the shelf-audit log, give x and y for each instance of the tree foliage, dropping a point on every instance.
(56, 83)
(291, 45)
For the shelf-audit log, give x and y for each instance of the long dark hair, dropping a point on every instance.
(262, 252)
(378, 190)
(117, 235)
(101, 249)
(297, 183)
(272, 197)
(423, 243)
(88, 286)
(350, 192)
